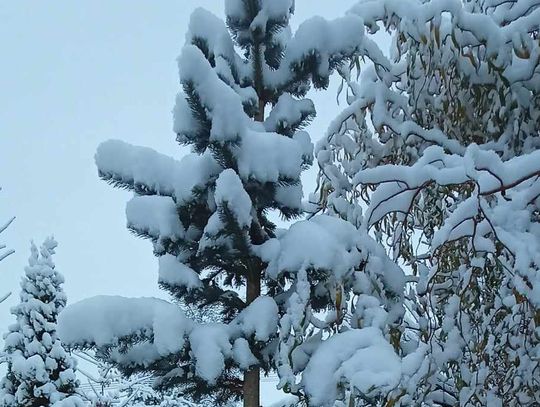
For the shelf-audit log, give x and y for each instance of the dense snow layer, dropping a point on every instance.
(143, 167)
(104, 320)
(323, 242)
(230, 191)
(154, 215)
(72, 401)
(161, 329)
(268, 157)
(360, 357)
(174, 273)
(259, 319)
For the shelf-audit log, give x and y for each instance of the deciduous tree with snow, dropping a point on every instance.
(436, 156)
(242, 110)
(40, 372)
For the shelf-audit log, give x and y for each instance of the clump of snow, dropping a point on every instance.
(105, 320)
(288, 112)
(323, 242)
(259, 319)
(154, 215)
(327, 41)
(360, 357)
(172, 272)
(267, 157)
(243, 355)
(223, 104)
(210, 345)
(267, 10)
(143, 167)
(230, 190)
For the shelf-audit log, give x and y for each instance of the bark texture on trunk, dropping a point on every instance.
(252, 377)
(252, 385)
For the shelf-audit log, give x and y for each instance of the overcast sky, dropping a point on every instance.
(73, 74)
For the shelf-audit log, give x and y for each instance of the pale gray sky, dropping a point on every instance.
(73, 74)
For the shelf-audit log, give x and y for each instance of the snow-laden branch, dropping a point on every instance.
(159, 330)
(399, 185)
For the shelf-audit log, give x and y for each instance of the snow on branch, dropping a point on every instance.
(149, 172)
(360, 360)
(157, 329)
(399, 185)
(107, 320)
(154, 216)
(317, 48)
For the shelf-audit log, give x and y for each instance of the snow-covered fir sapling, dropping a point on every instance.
(242, 110)
(39, 370)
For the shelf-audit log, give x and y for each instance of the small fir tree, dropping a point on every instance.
(40, 372)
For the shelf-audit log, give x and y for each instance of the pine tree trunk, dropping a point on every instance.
(252, 385)
(252, 377)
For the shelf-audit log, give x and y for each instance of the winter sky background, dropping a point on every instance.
(72, 75)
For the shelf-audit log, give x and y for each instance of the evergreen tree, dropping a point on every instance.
(40, 372)
(242, 110)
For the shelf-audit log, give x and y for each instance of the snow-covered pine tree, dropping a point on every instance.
(437, 157)
(40, 372)
(242, 111)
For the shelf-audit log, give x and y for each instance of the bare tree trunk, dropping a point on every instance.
(252, 382)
